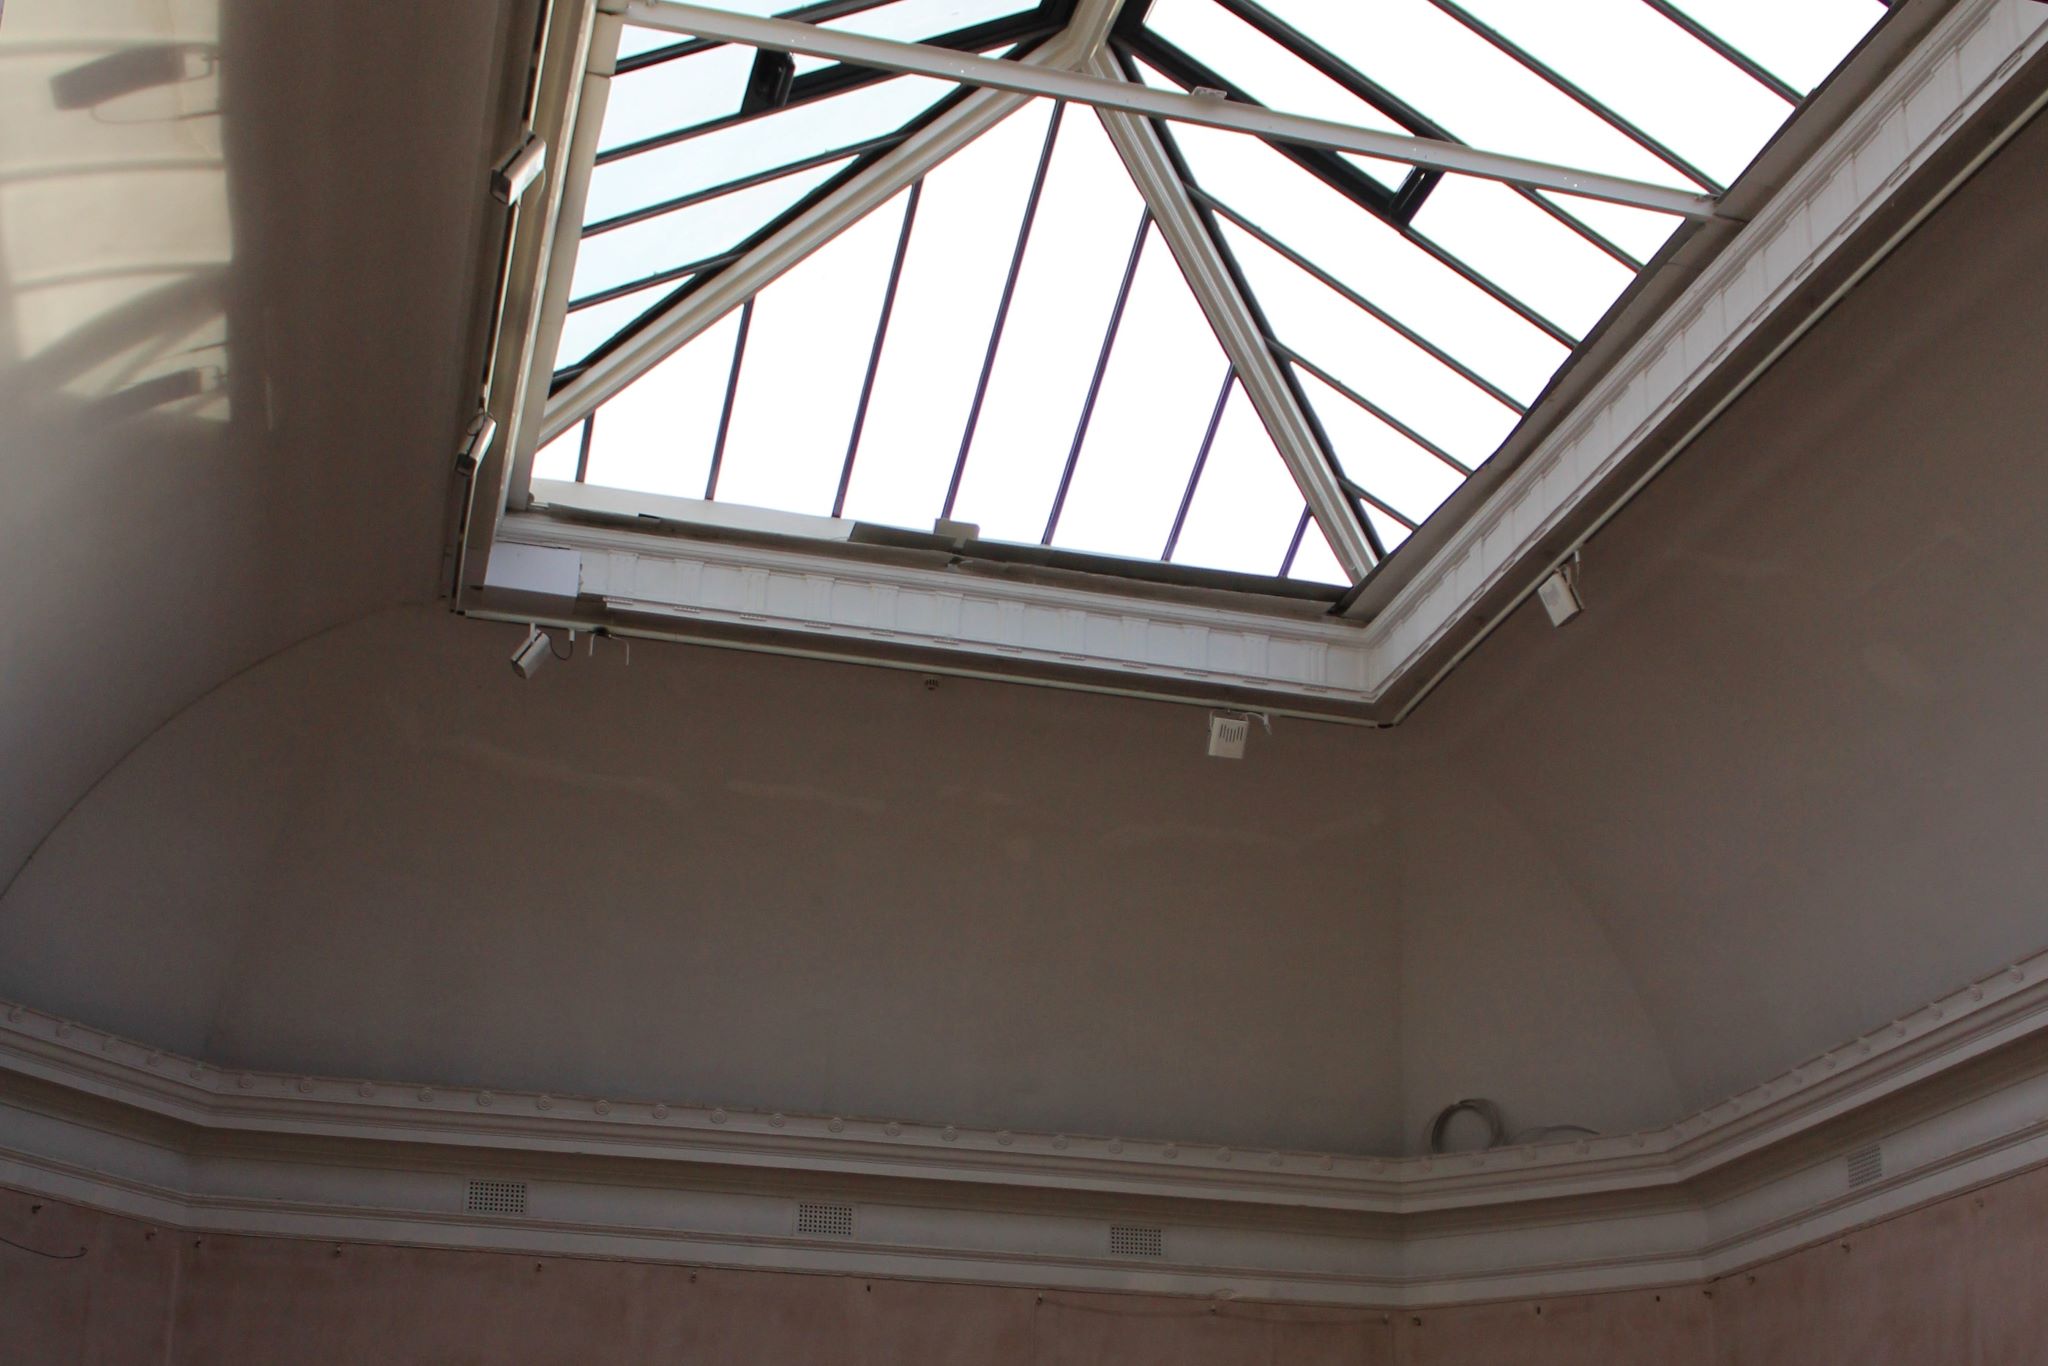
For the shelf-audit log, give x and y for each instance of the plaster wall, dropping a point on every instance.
(1959, 1282)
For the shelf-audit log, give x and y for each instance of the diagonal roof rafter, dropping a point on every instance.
(1234, 317)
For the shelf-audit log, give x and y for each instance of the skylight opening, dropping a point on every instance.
(1012, 340)
(1079, 247)
(931, 358)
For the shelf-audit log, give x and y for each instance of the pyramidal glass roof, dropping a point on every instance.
(1010, 340)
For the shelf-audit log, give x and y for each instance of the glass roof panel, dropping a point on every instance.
(1315, 562)
(585, 330)
(1469, 88)
(1665, 82)
(609, 258)
(720, 155)
(1531, 254)
(931, 359)
(657, 434)
(1270, 74)
(915, 21)
(1079, 248)
(673, 94)
(558, 458)
(1143, 436)
(1246, 504)
(1639, 232)
(785, 450)
(1400, 474)
(1010, 342)
(1370, 256)
(1319, 324)
(1799, 44)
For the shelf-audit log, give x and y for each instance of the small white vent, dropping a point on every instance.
(497, 1197)
(1136, 1240)
(1865, 1165)
(1227, 732)
(824, 1221)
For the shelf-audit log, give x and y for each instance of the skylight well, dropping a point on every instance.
(1143, 312)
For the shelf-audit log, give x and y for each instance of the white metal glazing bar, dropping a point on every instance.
(1111, 92)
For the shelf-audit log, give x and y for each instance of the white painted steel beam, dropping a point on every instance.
(861, 195)
(1209, 277)
(1108, 92)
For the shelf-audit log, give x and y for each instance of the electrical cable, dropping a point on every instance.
(1496, 1127)
(36, 1251)
(1497, 1135)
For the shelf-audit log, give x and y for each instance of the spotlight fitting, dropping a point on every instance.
(1560, 593)
(533, 652)
(519, 170)
(476, 443)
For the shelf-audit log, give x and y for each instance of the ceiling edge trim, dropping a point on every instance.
(1007, 624)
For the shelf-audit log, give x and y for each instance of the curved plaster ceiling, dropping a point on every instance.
(1779, 784)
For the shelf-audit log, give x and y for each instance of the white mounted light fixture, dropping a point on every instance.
(476, 443)
(533, 652)
(1560, 592)
(511, 179)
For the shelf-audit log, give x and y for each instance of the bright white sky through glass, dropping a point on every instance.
(1415, 346)
(931, 359)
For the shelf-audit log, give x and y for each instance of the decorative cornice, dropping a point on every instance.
(2003, 1008)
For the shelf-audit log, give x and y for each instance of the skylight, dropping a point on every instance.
(1140, 338)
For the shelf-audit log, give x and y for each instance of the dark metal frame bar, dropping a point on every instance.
(1294, 545)
(1187, 497)
(1028, 28)
(1396, 206)
(660, 277)
(1116, 319)
(1320, 59)
(1352, 296)
(995, 336)
(1288, 353)
(821, 13)
(583, 451)
(881, 143)
(694, 282)
(1500, 293)
(1127, 61)
(1730, 53)
(1565, 216)
(732, 389)
(867, 384)
(1584, 98)
(1399, 210)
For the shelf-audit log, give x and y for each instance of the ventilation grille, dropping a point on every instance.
(825, 1221)
(497, 1197)
(1135, 1240)
(1865, 1165)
